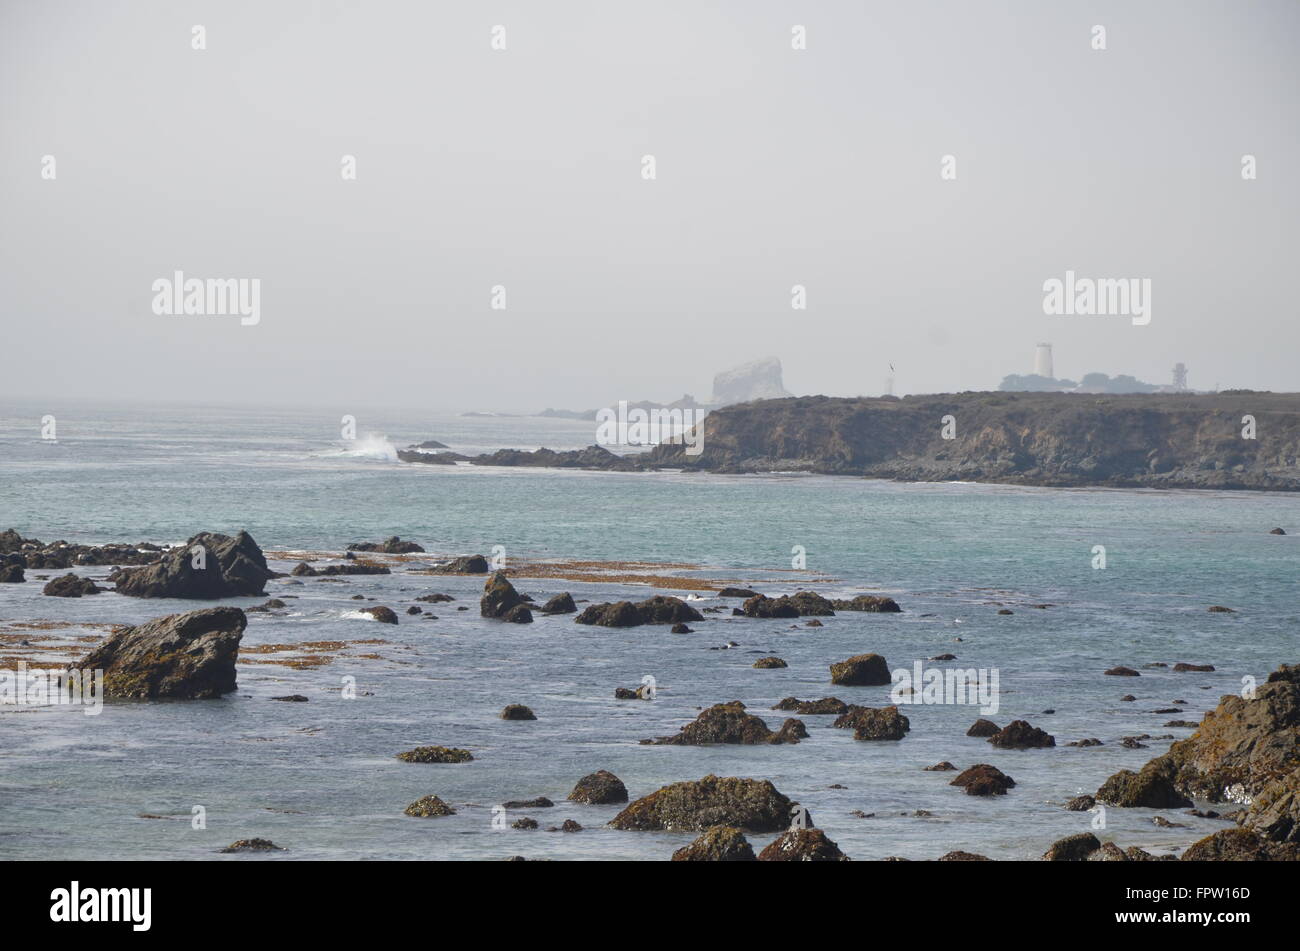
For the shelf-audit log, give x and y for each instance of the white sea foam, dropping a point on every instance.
(371, 446)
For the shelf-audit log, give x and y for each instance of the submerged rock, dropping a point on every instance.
(826, 705)
(868, 602)
(389, 546)
(769, 663)
(435, 754)
(253, 845)
(599, 788)
(960, 856)
(801, 604)
(753, 805)
(304, 570)
(719, 844)
(517, 711)
(180, 656)
(1122, 672)
(464, 565)
(737, 593)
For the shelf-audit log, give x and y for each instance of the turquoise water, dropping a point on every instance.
(320, 778)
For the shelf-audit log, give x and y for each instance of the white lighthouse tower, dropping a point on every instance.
(1043, 361)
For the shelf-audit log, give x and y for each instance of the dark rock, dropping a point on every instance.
(292, 698)
(729, 723)
(737, 593)
(428, 807)
(1073, 848)
(826, 705)
(232, 567)
(559, 604)
(802, 845)
(862, 670)
(464, 565)
(1153, 788)
(1122, 672)
(871, 723)
(500, 600)
(517, 711)
(869, 603)
(252, 845)
(718, 844)
(435, 598)
(752, 805)
(983, 779)
(1193, 668)
(435, 754)
(304, 570)
(944, 767)
(681, 629)
(1239, 845)
(1220, 609)
(180, 656)
(541, 802)
(1276, 531)
(599, 788)
(381, 614)
(656, 610)
(1081, 804)
(414, 609)
(983, 728)
(1020, 735)
(1006, 611)
(70, 586)
(524, 823)
(1090, 741)
(389, 546)
(769, 663)
(11, 573)
(960, 856)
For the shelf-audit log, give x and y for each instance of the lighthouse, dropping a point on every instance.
(1043, 361)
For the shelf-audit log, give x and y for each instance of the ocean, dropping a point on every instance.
(320, 778)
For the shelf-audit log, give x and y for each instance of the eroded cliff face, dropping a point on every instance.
(1059, 439)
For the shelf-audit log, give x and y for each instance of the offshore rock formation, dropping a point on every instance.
(180, 656)
(758, 380)
(1058, 439)
(208, 566)
(729, 723)
(752, 805)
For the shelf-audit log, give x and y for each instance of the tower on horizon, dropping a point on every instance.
(1180, 376)
(1043, 361)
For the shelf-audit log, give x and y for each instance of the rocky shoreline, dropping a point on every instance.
(1245, 752)
(1239, 440)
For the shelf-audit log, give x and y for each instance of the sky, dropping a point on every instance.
(523, 168)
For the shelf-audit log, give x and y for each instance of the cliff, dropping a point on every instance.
(1056, 439)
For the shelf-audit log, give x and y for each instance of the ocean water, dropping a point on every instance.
(320, 778)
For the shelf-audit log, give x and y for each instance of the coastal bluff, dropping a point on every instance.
(1198, 441)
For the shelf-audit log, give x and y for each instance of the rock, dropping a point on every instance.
(524, 823)
(304, 570)
(719, 844)
(274, 604)
(541, 802)
(656, 610)
(1020, 735)
(1239, 845)
(944, 767)
(501, 600)
(983, 779)
(791, 605)
(1275, 812)
(1193, 668)
(1122, 672)
(464, 565)
(11, 573)
(435, 754)
(681, 629)
(559, 604)
(1153, 788)
(599, 789)
(292, 698)
(752, 805)
(1090, 741)
(1276, 531)
(737, 593)
(428, 444)
(227, 568)
(517, 711)
(429, 807)
(826, 705)
(862, 670)
(381, 614)
(180, 656)
(756, 380)
(769, 663)
(414, 609)
(871, 723)
(1005, 611)
(568, 825)
(983, 728)
(813, 622)
(802, 845)
(633, 693)
(1127, 698)
(1220, 609)
(868, 602)
(1109, 852)
(1073, 848)
(70, 586)
(389, 546)
(729, 723)
(435, 598)
(252, 845)
(1080, 804)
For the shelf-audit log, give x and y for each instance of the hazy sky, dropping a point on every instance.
(522, 168)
